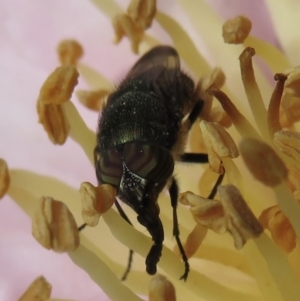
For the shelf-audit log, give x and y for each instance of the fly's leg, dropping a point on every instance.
(202, 158)
(173, 190)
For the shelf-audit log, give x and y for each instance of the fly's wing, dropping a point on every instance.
(155, 61)
(161, 68)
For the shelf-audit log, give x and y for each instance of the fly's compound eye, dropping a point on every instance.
(149, 161)
(109, 168)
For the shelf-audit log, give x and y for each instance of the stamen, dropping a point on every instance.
(79, 131)
(95, 201)
(274, 105)
(231, 214)
(236, 30)
(218, 143)
(124, 26)
(241, 222)
(100, 273)
(4, 178)
(281, 229)
(109, 8)
(296, 194)
(272, 270)
(208, 213)
(274, 57)
(288, 143)
(289, 206)
(194, 240)
(252, 91)
(268, 168)
(54, 226)
(290, 103)
(286, 32)
(263, 162)
(293, 178)
(184, 44)
(94, 79)
(292, 84)
(217, 114)
(240, 122)
(233, 174)
(54, 121)
(284, 121)
(59, 85)
(69, 52)
(39, 290)
(290, 110)
(216, 77)
(56, 90)
(142, 12)
(220, 140)
(93, 100)
(161, 289)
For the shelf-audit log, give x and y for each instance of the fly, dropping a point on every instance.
(142, 132)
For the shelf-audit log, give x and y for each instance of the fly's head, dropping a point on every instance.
(139, 171)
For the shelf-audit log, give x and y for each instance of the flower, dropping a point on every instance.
(216, 257)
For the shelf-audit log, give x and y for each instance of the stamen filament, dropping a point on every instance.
(240, 122)
(279, 268)
(148, 42)
(184, 44)
(79, 132)
(289, 206)
(94, 78)
(252, 91)
(110, 284)
(27, 187)
(274, 106)
(271, 270)
(194, 240)
(233, 174)
(275, 59)
(286, 30)
(108, 7)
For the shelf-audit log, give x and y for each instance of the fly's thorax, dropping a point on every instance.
(138, 115)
